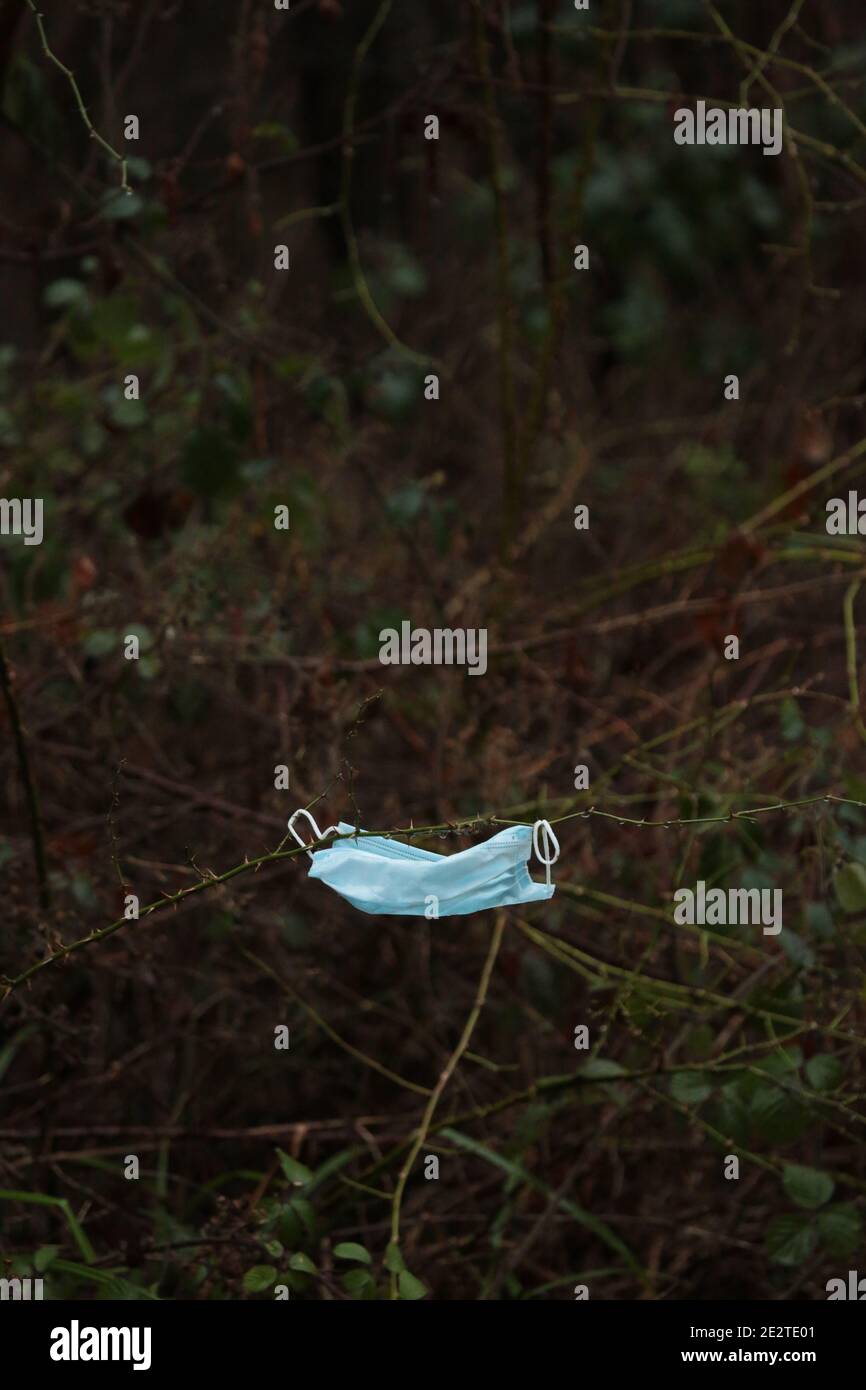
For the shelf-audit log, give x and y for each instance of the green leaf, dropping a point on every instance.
(100, 642)
(777, 1116)
(256, 470)
(144, 635)
(790, 1239)
(840, 1229)
(796, 949)
(275, 130)
(328, 398)
(148, 667)
(405, 503)
(791, 720)
(347, 1250)
(824, 1072)
(849, 884)
(301, 1263)
(393, 1259)
(65, 294)
(409, 1286)
(138, 168)
(819, 920)
(690, 1087)
(127, 415)
(855, 786)
(259, 1278)
(403, 274)
(600, 1069)
(806, 1186)
(359, 1283)
(41, 1199)
(44, 1256)
(781, 1062)
(394, 395)
(296, 1172)
(114, 1286)
(118, 206)
(301, 1215)
(332, 1165)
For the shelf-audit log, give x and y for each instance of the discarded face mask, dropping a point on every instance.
(380, 876)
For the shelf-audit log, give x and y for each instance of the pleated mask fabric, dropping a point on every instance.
(384, 877)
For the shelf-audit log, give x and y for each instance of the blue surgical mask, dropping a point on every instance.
(382, 876)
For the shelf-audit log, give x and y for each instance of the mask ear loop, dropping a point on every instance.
(550, 842)
(318, 834)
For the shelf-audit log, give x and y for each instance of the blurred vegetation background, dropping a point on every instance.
(305, 388)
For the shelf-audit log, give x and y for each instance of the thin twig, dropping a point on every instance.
(332, 1032)
(445, 1077)
(851, 655)
(7, 983)
(79, 100)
